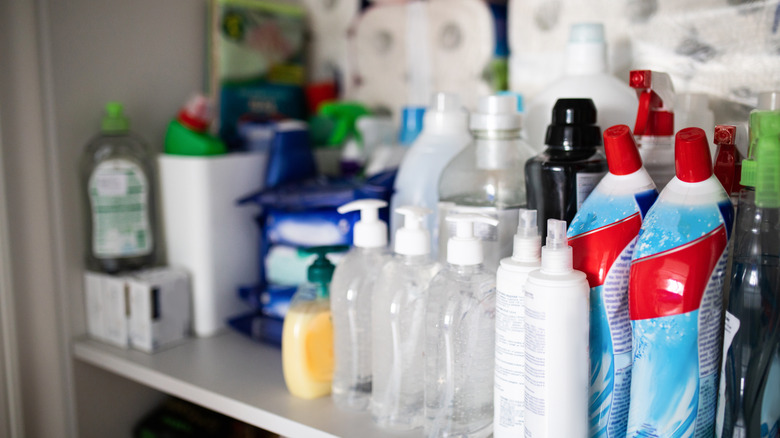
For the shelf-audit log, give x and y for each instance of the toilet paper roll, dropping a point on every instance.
(461, 36)
(379, 44)
(329, 22)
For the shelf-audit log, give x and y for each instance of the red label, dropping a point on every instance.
(673, 282)
(596, 250)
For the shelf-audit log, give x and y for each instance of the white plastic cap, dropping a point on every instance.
(586, 52)
(527, 242)
(369, 231)
(463, 248)
(556, 253)
(497, 112)
(769, 101)
(413, 238)
(445, 114)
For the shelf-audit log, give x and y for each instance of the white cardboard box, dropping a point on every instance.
(107, 309)
(160, 308)
(208, 234)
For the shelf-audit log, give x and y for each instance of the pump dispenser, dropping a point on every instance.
(654, 128)
(556, 302)
(509, 388)
(587, 75)
(487, 177)
(602, 236)
(560, 179)
(460, 338)
(398, 317)
(351, 295)
(749, 403)
(307, 335)
(445, 133)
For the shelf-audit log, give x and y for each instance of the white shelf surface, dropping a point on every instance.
(235, 376)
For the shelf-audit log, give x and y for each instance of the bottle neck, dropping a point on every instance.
(557, 261)
(586, 59)
(465, 270)
(414, 260)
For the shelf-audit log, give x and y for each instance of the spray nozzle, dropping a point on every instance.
(344, 116)
(464, 248)
(556, 234)
(527, 241)
(655, 115)
(321, 269)
(526, 225)
(768, 172)
(369, 231)
(557, 255)
(412, 238)
(763, 123)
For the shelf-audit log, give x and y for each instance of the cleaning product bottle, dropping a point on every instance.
(307, 336)
(586, 76)
(560, 179)
(460, 337)
(342, 155)
(351, 295)
(654, 126)
(389, 156)
(602, 236)
(189, 133)
(728, 162)
(120, 190)
(487, 177)
(509, 380)
(398, 326)
(445, 133)
(675, 299)
(749, 400)
(556, 342)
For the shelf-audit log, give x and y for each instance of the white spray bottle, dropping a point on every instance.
(398, 319)
(350, 304)
(556, 345)
(512, 274)
(460, 338)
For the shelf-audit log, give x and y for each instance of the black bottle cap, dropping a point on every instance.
(573, 125)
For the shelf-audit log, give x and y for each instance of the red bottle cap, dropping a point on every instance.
(621, 149)
(319, 93)
(725, 134)
(692, 160)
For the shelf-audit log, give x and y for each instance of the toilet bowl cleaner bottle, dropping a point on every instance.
(350, 305)
(675, 299)
(602, 236)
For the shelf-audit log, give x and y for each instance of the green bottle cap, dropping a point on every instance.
(114, 119)
(768, 171)
(344, 116)
(762, 124)
(321, 270)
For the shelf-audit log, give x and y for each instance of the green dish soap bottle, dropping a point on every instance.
(120, 190)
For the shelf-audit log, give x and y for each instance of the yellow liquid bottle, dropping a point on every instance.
(307, 336)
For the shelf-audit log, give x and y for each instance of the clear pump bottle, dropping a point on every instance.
(398, 318)
(488, 177)
(460, 338)
(118, 182)
(351, 295)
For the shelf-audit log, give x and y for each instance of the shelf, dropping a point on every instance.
(235, 376)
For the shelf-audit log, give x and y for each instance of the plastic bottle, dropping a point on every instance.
(445, 133)
(556, 346)
(307, 336)
(692, 110)
(509, 381)
(460, 338)
(654, 126)
(120, 193)
(602, 236)
(389, 156)
(586, 76)
(487, 177)
(351, 295)
(188, 133)
(560, 179)
(675, 299)
(728, 161)
(398, 317)
(749, 400)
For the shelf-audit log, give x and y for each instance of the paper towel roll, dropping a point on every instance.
(329, 22)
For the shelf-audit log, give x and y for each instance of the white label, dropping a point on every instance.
(730, 329)
(586, 182)
(119, 199)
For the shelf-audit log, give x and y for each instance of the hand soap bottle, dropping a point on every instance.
(118, 182)
(509, 392)
(351, 295)
(460, 338)
(307, 335)
(398, 329)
